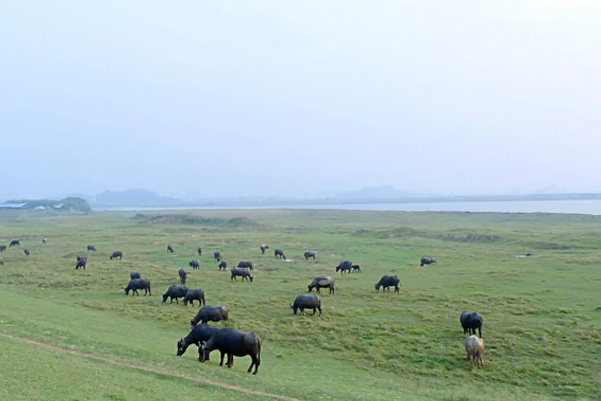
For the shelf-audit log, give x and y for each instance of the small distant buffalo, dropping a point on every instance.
(199, 333)
(44, 240)
(426, 261)
(169, 249)
(388, 281)
(217, 256)
(210, 313)
(309, 254)
(14, 242)
(116, 254)
(82, 260)
(223, 265)
(2, 248)
(322, 282)
(356, 268)
(138, 284)
(134, 275)
(344, 266)
(175, 292)
(233, 343)
(474, 347)
(246, 264)
(278, 253)
(91, 248)
(1, 262)
(306, 301)
(199, 251)
(194, 263)
(263, 248)
(241, 272)
(470, 322)
(182, 276)
(196, 294)
(26, 251)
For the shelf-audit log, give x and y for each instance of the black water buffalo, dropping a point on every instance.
(388, 281)
(138, 284)
(182, 276)
(241, 272)
(81, 262)
(278, 253)
(322, 282)
(306, 301)
(246, 264)
(309, 254)
(233, 343)
(169, 249)
(470, 322)
(199, 251)
(82, 257)
(134, 275)
(199, 333)
(223, 265)
(263, 248)
(194, 263)
(196, 294)
(356, 268)
(217, 256)
(426, 261)
(91, 248)
(345, 265)
(26, 251)
(210, 313)
(14, 242)
(116, 254)
(175, 292)
(2, 248)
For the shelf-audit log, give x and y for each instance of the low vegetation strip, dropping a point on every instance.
(148, 368)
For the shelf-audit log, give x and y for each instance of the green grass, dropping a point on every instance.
(542, 314)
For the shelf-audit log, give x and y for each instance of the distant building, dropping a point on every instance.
(12, 205)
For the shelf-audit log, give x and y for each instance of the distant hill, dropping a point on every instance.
(381, 192)
(134, 197)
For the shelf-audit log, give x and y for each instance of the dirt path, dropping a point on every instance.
(149, 368)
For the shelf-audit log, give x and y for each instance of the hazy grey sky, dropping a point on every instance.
(301, 98)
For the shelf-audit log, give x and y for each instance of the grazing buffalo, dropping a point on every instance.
(388, 281)
(196, 294)
(2, 248)
(217, 256)
(199, 333)
(199, 251)
(26, 251)
(182, 276)
(210, 313)
(91, 248)
(14, 242)
(238, 271)
(134, 275)
(138, 284)
(470, 322)
(278, 253)
(345, 265)
(223, 265)
(194, 263)
(233, 343)
(82, 260)
(426, 261)
(474, 347)
(356, 268)
(175, 292)
(246, 264)
(169, 249)
(116, 254)
(263, 248)
(322, 282)
(309, 254)
(306, 301)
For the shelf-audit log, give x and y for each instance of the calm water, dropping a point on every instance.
(559, 206)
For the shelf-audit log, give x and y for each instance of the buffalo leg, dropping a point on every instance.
(222, 356)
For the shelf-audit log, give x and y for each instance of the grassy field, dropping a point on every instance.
(69, 334)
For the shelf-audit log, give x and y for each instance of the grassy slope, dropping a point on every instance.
(541, 327)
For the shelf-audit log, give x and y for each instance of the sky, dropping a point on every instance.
(211, 98)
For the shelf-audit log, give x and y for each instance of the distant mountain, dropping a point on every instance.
(135, 197)
(381, 192)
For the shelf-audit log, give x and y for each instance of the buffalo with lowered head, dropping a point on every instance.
(345, 265)
(2, 248)
(199, 333)
(199, 251)
(194, 263)
(82, 260)
(470, 322)
(169, 249)
(182, 276)
(210, 313)
(196, 294)
(91, 248)
(175, 292)
(14, 242)
(138, 284)
(426, 261)
(223, 265)
(116, 254)
(233, 343)
(306, 301)
(322, 282)
(217, 256)
(278, 253)
(240, 272)
(263, 248)
(309, 254)
(388, 281)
